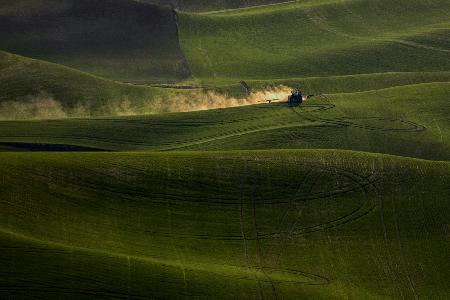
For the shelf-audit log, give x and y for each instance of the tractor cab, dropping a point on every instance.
(296, 98)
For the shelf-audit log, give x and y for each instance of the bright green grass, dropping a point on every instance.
(318, 39)
(279, 224)
(409, 120)
(118, 39)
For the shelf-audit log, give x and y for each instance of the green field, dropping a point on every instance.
(224, 224)
(133, 165)
(318, 38)
(408, 120)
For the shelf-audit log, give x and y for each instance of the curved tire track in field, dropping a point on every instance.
(305, 112)
(359, 184)
(344, 122)
(367, 206)
(271, 275)
(306, 109)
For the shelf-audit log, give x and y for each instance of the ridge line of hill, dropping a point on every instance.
(295, 4)
(224, 269)
(392, 88)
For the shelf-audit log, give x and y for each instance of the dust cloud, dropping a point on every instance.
(45, 106)
(211, 100)
(42, 106)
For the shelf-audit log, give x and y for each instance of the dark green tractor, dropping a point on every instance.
(296, 98)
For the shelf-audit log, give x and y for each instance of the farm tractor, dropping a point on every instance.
(296, 98)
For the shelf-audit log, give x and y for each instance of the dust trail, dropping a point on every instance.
(187, 101)
(46, 106)
(42, 106)
(200, 100)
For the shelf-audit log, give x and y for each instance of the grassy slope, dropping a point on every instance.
(410, 120)
(208, 5)
(24, 80)
(221, 225)
(318, 39)
(314, 224)
(78, 94)
(337, 84)
(119, 39)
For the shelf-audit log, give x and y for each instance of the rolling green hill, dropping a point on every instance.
(336, 84)
(118, 39)
(113, 190)
(281, 224)
(410, 121)
(322, 38)
(236, 39)
(33, 89)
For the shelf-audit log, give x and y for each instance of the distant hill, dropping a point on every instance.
(119, 39)
(318, 38)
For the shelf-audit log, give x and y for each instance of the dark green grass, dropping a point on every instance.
(208, 5)
(285, 224)
(118, 39)
(304, 39)
(410, 120)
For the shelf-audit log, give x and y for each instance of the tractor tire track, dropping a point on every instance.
(244, 238)
(259, 237)
(345, 122)
(316, 108)
(290, 204)
(317, 196)
(259, 254)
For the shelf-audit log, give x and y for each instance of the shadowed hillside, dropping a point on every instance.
(119, 39)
